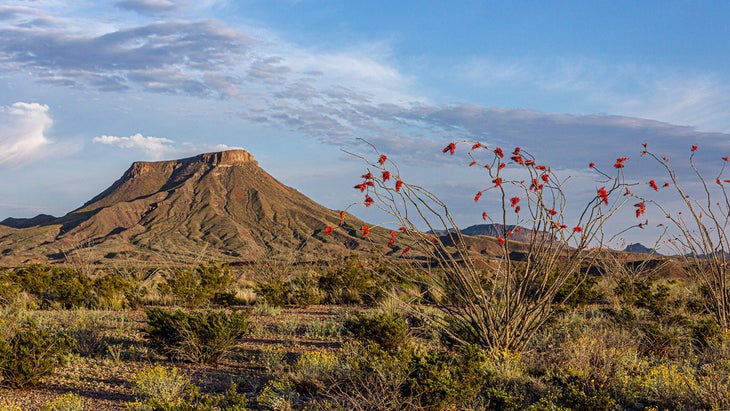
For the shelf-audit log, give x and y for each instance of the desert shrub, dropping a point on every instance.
(202, 337)
(387, 331)
(159, 388)
(302, 291)
(355, 282)
(198, 288)
(705, 333)
(273, 292)
(65, 402)
(313, 370)
(112, 291)
(576, 293)
(89, 338)
(9, 291)
(56, 285)
(279, 395)
(372, 379)
(31, 354)
(272, 359)
(445, 380)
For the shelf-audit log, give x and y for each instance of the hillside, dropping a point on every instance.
(219, 206)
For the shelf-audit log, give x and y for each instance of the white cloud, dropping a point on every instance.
(159, 147)
(23, 128)
(156, 147)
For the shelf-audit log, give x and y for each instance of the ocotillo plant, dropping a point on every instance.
(501, 306)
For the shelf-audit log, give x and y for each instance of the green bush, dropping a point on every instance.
(202, 337)
(388, 331)
(444, 380)
(355, 283)
(56, 286)
(301, 291)
(198, 288)
(31, 354)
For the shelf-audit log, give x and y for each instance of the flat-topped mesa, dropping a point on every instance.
(226, 158)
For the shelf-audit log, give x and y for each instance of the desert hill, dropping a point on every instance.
(217, 205)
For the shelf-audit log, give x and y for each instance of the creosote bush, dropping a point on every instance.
(202, 337)
(31, 354)
(199, 287)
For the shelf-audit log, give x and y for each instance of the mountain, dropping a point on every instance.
(219, 206)
(640, 249)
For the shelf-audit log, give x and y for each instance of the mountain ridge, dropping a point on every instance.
(220, 203)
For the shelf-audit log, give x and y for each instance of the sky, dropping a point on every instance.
(88, 87)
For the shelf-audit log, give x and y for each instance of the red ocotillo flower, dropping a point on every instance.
(718, 182)
(509, 233)
(342, 217)
(498, 151)
(361, 187)
(517, 209)
(518, 159)
(541, 168)
(472, 163)
(391, 242)
(327, 230)
(603, 194)
(386, 175)
(577, 229)
(450, 148)
(398, 185)
(497, 181)
(382, 159)
(726, 159)
(368, 176)
(628, 192)
(368, 200)
(477, 196)
(545, 177)
(653, 185)
(476, 146)
(620, 162)
(484, 216)
(591, 164)
(365, 231)
(406, 251)
(516, 151)
(552, 211)
(502, 165)
(393, 233)
(501, 240)
(402, 229)
(666, 184)
(640, 209)
(513, 201)
(693, 149)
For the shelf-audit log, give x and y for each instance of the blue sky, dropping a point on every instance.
(87, 87)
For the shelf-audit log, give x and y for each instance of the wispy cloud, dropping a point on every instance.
(23, 128)
(153, 7)
(693, 98)
(158, 148)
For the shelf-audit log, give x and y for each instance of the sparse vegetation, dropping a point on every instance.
(539, 326)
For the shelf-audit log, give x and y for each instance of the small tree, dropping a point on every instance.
(700, 230)
(503, 305)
